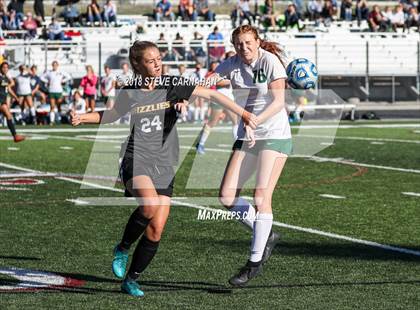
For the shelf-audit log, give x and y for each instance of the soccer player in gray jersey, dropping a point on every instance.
(147, 166)
(257, 75)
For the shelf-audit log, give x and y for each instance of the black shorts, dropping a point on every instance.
(90, 97)
(163, 177)
(3, 98)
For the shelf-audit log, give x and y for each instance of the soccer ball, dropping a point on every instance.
(302, 74)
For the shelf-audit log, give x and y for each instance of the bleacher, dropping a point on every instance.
(352, 62)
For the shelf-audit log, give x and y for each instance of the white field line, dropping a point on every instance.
(102, 138)
(359, 138)
(326, 159)
(316, 158)
(23, 175)
(7, 188)
(352, 163)
(78, 202)
(19, 168)
(332, 196)
(411, 194)
(80, 139)
(298, 228)
(221, 128)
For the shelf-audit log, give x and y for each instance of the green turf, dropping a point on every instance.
(40, 230)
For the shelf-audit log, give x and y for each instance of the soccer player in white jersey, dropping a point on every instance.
(258, 78)
(55, 80)
(24, 92)
(108, 84)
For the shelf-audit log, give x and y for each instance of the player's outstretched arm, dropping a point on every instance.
(212, 95)
(102, 117)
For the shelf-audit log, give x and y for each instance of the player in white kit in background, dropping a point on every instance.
(24, 93)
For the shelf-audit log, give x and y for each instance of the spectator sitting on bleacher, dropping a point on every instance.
(55, 32)
(314, 9)
(182, 71)
(376, 20)
(202, 8)
(110, 13)
(162, 45)
(71, 14)
(30, 25)
(291, 16)
(39, 9)
(387, 14)
(196, 45)
(93, 13)
(398, 18)
(216, 48)
(269, 17)
(163, 11)
(4, 14)
(328, 13)
(12, 23)
(17, 6)
(186, 10)
(178, 47)
(165, 70)
(346, 10)
(242, 11)
(407, 4)
(362, 11)
(79, 104)
(412, 19)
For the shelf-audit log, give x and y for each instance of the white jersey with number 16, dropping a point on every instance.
(250, 89)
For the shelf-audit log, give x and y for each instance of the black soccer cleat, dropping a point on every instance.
(272, 240)
(245, 274)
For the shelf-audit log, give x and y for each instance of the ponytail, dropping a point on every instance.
(273, 48)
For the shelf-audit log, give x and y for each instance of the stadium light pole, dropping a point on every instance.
(100, 59)
(367, 71)
(418, 70)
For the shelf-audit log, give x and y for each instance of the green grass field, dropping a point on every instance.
(370, 168)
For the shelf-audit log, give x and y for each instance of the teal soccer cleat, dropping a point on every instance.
(132, 288)
(119, 263)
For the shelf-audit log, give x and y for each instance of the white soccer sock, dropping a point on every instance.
(52, 115)
(33, 112)
(235, 131)
(196, 113)
(204, 134)
(262, 227)
(246, 211)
